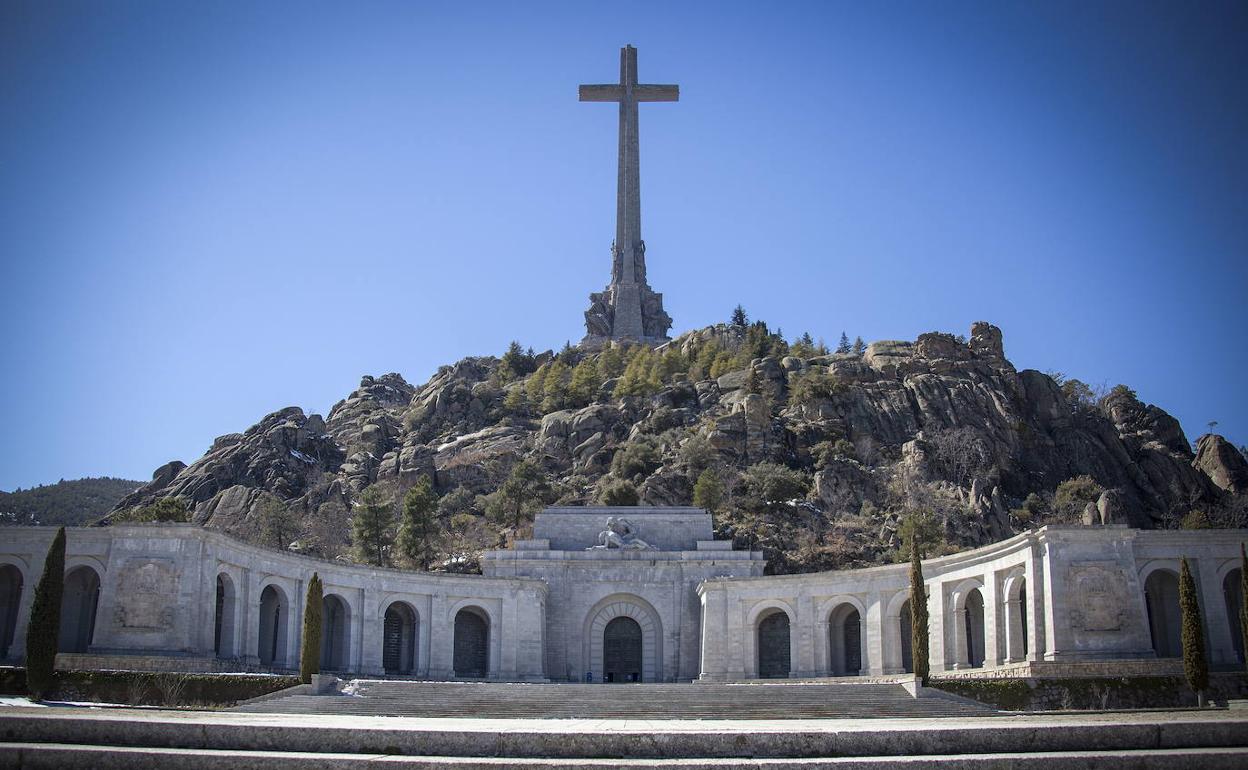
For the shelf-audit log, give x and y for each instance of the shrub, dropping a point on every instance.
(310, 648)
(44, 628)
(619, 493)
(1073, 495)
(636, 458)
(708, 491)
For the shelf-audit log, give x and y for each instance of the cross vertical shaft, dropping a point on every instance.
(628, 309)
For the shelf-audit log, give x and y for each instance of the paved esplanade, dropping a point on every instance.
(628, 309)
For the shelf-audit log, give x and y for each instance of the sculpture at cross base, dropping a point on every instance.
(628, 309)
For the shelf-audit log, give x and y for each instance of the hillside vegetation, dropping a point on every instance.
(821, 458)
(68, 503)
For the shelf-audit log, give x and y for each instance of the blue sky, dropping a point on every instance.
(209, 211)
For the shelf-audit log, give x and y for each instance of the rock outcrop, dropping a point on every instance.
(950, 413)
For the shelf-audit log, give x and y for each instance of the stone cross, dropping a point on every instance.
(628, 309)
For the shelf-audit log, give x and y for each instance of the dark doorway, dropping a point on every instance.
(10, 601)
(78, 605)
(398, 641)
(472, 638)
(621, 651)
(907, 651)
(773, 646)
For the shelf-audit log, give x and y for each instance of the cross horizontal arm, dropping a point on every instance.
(656, 93)
(607, 93)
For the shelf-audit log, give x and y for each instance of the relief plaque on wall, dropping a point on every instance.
(1098, 597)
(146, 593)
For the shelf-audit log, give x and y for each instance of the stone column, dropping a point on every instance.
(873, 633)
(992, 613)
(1221, 649)
(936, 637)
(713, 663)
(961, 655)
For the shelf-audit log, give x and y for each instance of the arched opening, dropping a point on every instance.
(905, 620)
(335, 633)
(774, 660)
(1161, 597)
(273, 609)
(78, 606)
(595, 640)
(472, 643)
(10, 603)
(622, 650)
(973, 629)
(1233, 591)
(400, 630)
(223, 626)
(845, 641)
(1016, 619)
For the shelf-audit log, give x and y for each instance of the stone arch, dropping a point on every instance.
(12, 582)
(1014, 598)
(847, 638)
(968, 624)
(772, 645)
(79, 603)
(897, 643)
(1161, 599)
(224, 617)
(646, 617)
(1233, 599)
(471, 649)
(274, 620)
(335, 633)
(399, 638)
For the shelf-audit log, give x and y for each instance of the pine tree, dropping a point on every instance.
(310, 645)
(708, 491)
(555, 387)
(918, 615)
(739, 318)
(418, 530)
(372, 527)
(583, 388)
(517, 401)
(843, 346)
(44, 628)
(859, 347)
(517, 499)
(610, 363)
(515, 363)
(1195, 667)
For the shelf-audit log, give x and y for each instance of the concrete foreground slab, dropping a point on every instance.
(629, 739)
(31, 756)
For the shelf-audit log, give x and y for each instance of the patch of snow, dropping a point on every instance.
(22, 702)
(301, 457)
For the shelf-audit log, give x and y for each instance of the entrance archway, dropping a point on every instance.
(78, 606)
(622, 650)
(400, 630)
(335, 633)
(271, 648)
(774, 657)
(906, 632)
(594, 638)
(1232, 590)
(10, 603)
(472, 643)
(223, 627)
(845, 641)
(971, 654)
(1161, 596)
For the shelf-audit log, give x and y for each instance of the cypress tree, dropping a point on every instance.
(1243, 600)
(44, 629)
(310, 646)
(1195, 667)
(918, 615)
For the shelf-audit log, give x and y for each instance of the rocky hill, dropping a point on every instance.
(819, 458)
(70, 503)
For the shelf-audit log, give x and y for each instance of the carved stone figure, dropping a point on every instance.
(620, 534)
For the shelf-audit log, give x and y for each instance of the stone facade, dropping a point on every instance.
(180, 596)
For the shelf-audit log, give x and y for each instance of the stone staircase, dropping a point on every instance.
(621, 701)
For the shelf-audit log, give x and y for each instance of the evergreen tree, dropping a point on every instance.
(515, 363)
(918, 615)
(583, 388)
(859, 347)
(417, 541)
(372, 527)
(739, 318)
(276, 525)
(44, 628)
(536, 385)
(518, 498)
(708, 491)
(555, 387)
(1243, 599)
(1195, 667)
(610, 363)
(310, 644)
(517, 401)
(843, 346)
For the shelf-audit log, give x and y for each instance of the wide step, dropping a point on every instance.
(656, 701)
